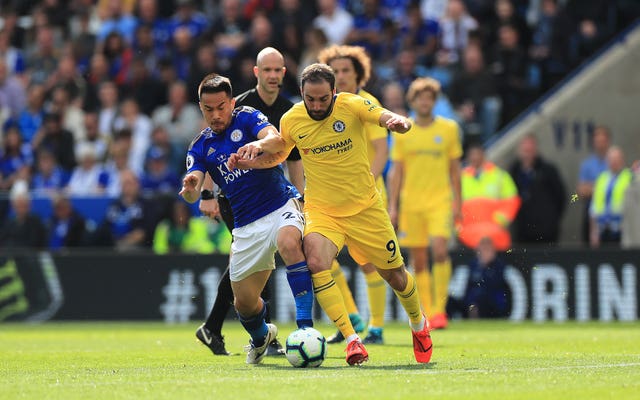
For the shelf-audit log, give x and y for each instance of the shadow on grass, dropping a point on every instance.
(391, 367)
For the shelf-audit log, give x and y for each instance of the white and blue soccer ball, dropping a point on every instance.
(306, 347)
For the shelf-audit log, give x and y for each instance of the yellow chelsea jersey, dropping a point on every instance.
(334, 154)
(425, 153)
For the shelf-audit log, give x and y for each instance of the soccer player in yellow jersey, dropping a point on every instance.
(352, 67)
(424, 199)
(342, 204)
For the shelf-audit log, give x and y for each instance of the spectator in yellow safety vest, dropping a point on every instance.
(608, 199)
(490, 201)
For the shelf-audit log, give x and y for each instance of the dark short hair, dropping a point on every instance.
(214, 83)
(318, 73)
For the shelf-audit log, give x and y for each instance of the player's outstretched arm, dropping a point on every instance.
(262, 161)
(191, 185)
(394, 122)
(268, 151)
(269, 141)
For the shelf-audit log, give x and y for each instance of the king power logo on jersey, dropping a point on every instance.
(228, 175)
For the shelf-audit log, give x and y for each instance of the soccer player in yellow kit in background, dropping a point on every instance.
(342, 204)
(352, 67)
(424, 199)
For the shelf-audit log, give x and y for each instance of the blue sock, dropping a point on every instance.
(256, 326)
(301, 286)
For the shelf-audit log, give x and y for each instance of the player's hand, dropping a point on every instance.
(235, 161)
(398, 123)
(232, 161)
(250, 150)
(209, 208)
(188, 184)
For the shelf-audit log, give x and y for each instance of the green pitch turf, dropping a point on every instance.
(471, 360)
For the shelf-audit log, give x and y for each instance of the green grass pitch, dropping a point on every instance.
(471, 360)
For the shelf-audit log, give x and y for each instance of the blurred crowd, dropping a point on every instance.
(98, 97)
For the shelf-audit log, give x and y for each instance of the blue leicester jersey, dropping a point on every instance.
(252, 193)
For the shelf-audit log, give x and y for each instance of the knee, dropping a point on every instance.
(440, 255)
(289, 246)
(396, 277)
(440, 252)
(315, 264)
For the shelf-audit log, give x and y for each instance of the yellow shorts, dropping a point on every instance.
(368, 235)
(416, 227)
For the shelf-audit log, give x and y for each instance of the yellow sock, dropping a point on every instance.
(377, 291)
(343, 285)
(423, 280)
(410, 300)
(330, 299)
(441, 278)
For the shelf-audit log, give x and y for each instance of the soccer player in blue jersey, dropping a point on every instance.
(267, 214)
(266, 97)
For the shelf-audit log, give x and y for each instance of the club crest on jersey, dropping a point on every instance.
(189, 162)
(339, 126)
(437, 139)
(236, 135)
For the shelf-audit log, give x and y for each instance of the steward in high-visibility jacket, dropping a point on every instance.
(490, 203)
(607, 203)
(197, 237)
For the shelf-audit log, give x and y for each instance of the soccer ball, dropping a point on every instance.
(306, 347)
